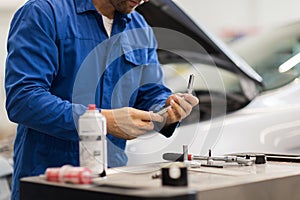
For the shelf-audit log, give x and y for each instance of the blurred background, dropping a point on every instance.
(229, 20)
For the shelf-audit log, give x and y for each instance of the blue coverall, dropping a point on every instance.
(59, 60)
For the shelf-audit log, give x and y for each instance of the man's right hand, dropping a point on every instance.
(129, 123)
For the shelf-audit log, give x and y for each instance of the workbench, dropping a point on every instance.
(273, 180)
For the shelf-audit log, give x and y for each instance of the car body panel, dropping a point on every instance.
(258, 127)
(268, 122)
(166, 14)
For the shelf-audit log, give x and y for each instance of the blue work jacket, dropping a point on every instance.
(59, 60)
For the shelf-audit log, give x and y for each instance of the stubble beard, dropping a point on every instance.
(124, 6)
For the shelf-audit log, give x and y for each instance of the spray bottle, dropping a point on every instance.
(92, 141)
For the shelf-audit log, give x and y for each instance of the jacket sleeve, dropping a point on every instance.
(31, 66)
(153, 93)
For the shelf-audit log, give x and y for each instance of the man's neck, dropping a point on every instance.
(105, 8)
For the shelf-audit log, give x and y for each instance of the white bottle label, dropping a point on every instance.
(92, 141)
(91, 155)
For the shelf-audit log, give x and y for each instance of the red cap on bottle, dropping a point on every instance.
(92, 107)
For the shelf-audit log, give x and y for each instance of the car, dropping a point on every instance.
(248, 91)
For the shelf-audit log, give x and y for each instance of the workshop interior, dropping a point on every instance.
(239, 58)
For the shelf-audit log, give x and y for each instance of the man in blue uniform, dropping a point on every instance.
(63, 55)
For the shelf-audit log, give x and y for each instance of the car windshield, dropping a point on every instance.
(273, 54)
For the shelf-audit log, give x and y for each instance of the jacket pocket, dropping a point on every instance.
(138, 57)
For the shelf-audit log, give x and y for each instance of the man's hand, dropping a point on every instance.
(129, 123)
(182, 105)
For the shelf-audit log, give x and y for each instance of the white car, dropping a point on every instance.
(242, 108)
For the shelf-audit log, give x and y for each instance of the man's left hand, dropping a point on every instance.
(181, 106)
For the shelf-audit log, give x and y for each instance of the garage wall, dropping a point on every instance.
(282, 11)
(241, 16)
(216, 15)
(7, 129)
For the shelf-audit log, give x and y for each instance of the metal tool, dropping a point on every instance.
(185, 152)
(164, 110)
(190, 84)
(179, 157)
(189, 91)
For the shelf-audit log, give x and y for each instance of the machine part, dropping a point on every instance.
(185, 152)
(260, 159)
(193, 164)
(179, 157)
(210, 161)
(156, 175)
(174, 174)
(272, 157)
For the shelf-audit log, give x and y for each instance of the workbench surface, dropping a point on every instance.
(273, 180)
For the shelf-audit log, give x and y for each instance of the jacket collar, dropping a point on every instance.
(87, 5)
(84, 6)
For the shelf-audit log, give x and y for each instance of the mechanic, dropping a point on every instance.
(49, 43)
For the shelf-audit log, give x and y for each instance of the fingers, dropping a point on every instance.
(179, 110)
(145, 125)
(128, 137)
(156, 117)
(145, 120)
(185, 100)
(129, 123)
(182, 105)
(148, 116)
(181, 102)
(175, 113)
(190, 99)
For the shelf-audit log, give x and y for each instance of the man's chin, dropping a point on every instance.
(127, 11)
(129, 8)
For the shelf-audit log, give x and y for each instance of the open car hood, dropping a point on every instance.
(176, 32)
